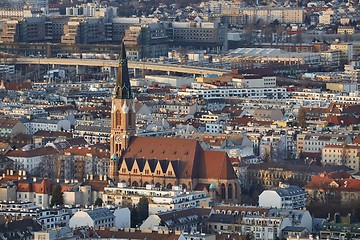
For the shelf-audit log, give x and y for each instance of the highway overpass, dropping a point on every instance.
(114, 63)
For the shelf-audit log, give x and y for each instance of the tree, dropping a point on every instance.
(98, 202)
(57, 196)
(301, 118)
(143, 209)
(134, 217)
(140, 212)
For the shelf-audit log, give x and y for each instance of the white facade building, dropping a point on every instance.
(254, 81)
(221, 93)
(101, 217)
(285, 196)
(161, 200)
(46, 125)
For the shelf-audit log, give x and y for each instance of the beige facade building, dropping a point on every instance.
(348, 155)
(347, 50)
(345, 30)
(311, 143)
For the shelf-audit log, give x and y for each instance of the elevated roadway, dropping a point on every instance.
(114, 63)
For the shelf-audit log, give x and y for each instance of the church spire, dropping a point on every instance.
(122, 87)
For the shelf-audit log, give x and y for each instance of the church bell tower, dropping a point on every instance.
(122, 115)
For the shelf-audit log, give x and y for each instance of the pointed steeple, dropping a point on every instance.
(122, 87)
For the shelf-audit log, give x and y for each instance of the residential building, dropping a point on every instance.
(146, 41)
(262, 223)
(100, 217)
(37, 161)
(269, 175)
(46, 124)
(198, 35)
(11, 127)
(78, 162)
(346, 30)
(341, 154)
(161, 200)
(340, 228)
(310, 144)
(35, 190)
(334, 188)
(347, 50)
(254, 81)
(189, 220)
(222, 92)
(84, 31)
(284, 196)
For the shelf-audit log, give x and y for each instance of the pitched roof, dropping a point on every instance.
(186, 154)
(85, 151)
(107, 234)
(216, 165)
(52, 134)
(185, 150)
(8, 123)
(42, 151)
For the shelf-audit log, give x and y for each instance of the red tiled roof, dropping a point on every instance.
(43, 187)
(84, 151)
(8, 123)
(193, 161)
(342, 120)
(356, 140)
(216, 165)
(186, 150)
(243, 120)
(339, 180)
(42, 151)
(17, 86)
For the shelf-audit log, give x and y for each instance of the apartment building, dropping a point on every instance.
(33, 29)
(198, 35)
(269, 14)
(221, 93)
(254, 81)
(313, 143)
(39, 160)
(100, 217)
(346, 48)
(146, 40)
(284, 196)
(84, 31)
(161, 200)
(341, 154)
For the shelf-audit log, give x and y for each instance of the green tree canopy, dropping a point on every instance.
(57, 196)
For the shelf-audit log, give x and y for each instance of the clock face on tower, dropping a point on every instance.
(118, 139)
